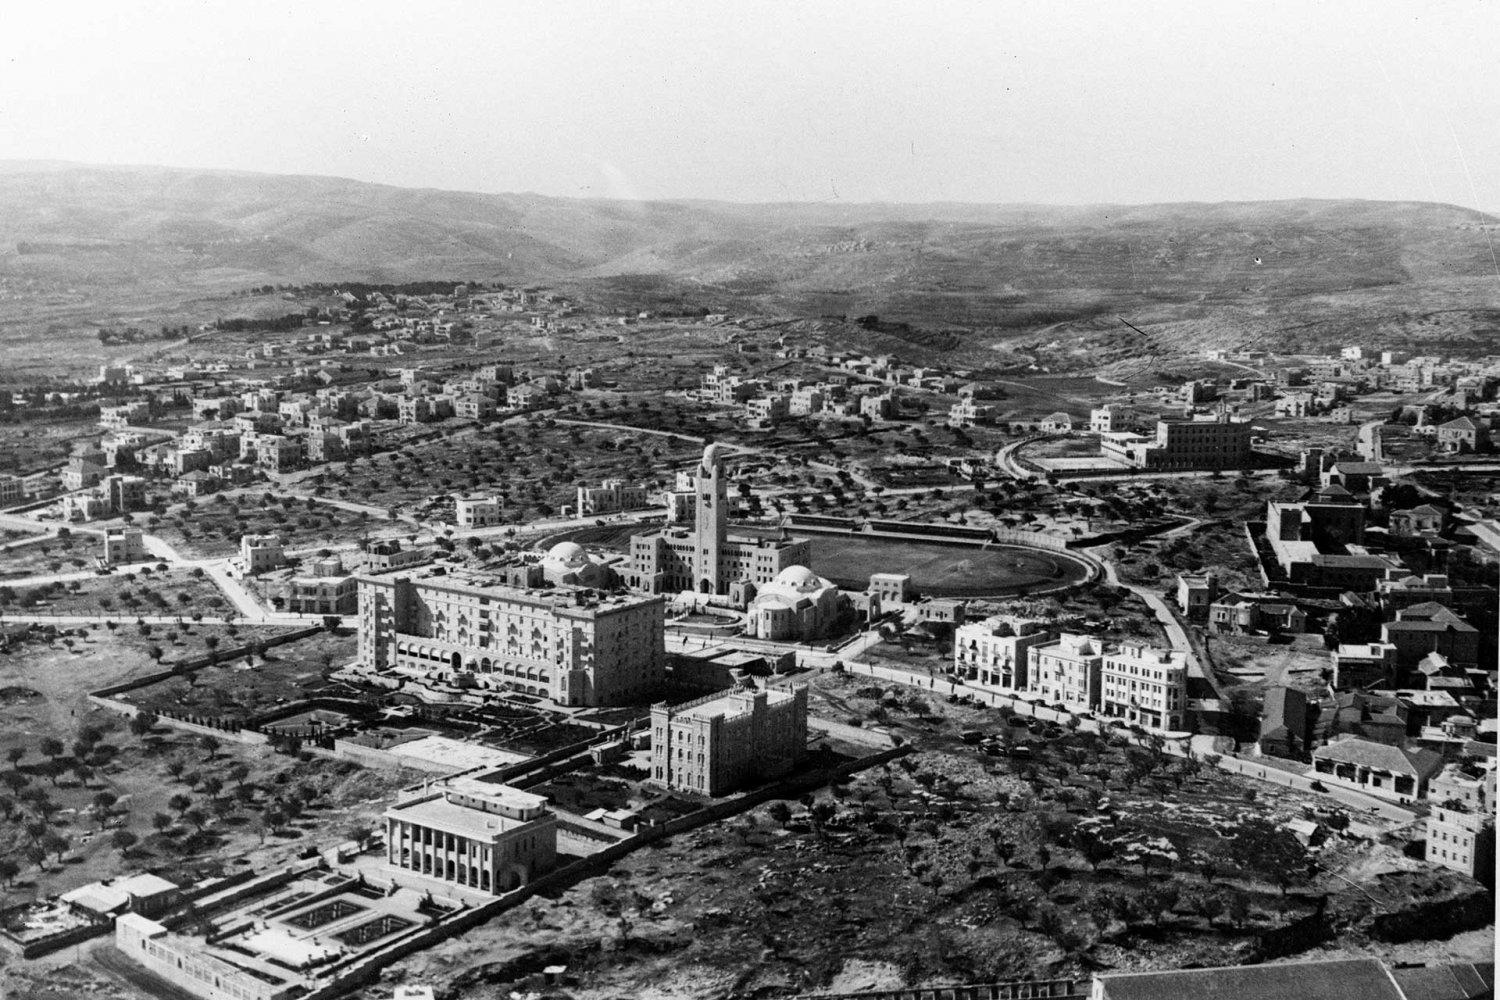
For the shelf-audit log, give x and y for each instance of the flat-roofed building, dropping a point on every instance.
(715, 744)
(574, 647)
(1216, 442)
(487, 837)
(991, 653)
(1145, 686)
(476, 511)
(12, 489)
(123, 545)
(1067, 671)
(612, 496)
(259, 554)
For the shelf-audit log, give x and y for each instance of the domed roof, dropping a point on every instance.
(799, 578)
(568, 553)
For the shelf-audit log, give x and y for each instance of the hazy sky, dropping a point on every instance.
(1117, 101)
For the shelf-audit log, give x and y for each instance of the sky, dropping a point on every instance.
(1003, 101)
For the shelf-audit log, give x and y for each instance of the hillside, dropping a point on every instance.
(83, 246)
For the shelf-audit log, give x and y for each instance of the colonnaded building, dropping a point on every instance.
(705, 558)
(576, 647)
(488, 837)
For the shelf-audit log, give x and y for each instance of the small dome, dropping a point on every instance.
(799, 578)
(568, 553)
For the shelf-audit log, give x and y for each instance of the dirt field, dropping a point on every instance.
(951, 867)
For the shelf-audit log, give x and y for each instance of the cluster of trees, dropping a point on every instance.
(273, 324)
(138, 335)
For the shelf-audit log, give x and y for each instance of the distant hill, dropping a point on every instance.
(92, 237)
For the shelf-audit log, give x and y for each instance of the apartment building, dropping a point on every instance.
(1461, 826)
(991, 653)
(1067, 672)
(718, 743)
(576, 648)
(1145, 686)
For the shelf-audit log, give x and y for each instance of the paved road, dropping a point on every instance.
(1176, 635)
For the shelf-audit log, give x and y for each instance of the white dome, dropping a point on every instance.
(800, 579)
(568, 554)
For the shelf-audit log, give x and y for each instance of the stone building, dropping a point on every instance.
(1067, 671)
(1387, 772)
(718, 743)
(797, 606)
(1145, 686)
(122, 545)
(991, 654)
(705, 558)
(575, 647)
(1461, 826)
(613, 496)
(488, 837)
(476, 511)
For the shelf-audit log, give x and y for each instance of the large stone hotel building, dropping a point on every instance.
(575, 647)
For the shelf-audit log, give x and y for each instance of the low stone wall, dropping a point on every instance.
(367, 969)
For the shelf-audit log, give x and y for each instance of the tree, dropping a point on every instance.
(209, 745)
(1211, 907)
(179, 804)
(160, 822)
(14, 755)
(123, 841)
(9, 870)
(142, 723)
(155, 652)
(1262, 846)
(104, 804)
(360, 833)
(55, 843)
(780, 812)
(50, 747)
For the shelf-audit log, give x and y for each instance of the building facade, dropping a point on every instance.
(1145, 686)
(123, 545)
(1067, 671)
(716, 744)
(991, 654)
(575, 648)
(705, 558)
(487, 837)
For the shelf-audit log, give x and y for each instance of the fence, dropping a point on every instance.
(1035, 989)
(367, 968)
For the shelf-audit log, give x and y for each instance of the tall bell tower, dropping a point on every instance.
(712, 522)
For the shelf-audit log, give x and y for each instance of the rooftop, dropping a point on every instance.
(438, 813)
(1348, 979)
(1418, 763)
